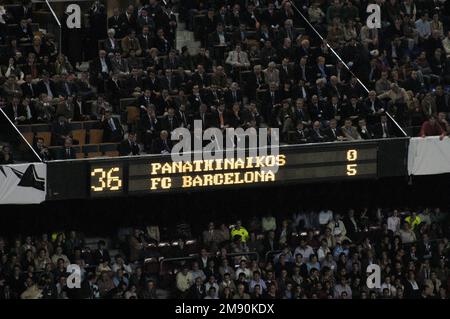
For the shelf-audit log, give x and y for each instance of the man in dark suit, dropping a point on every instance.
(129, 146)
(353, 109)
(67, 151)
(60, 131)
(333, 132)
(47, 86)
(151, 82)
(99, 69)
(117, 23)
(101, 254)
(204, 116)
(200, 77)
(286, 71)
(145, 40)
(115, 89)
(66, 87)
(162, 145)
(316, 134)
(364, 131)
(316, 109)
(301, 113)
(233, 95)
(170, 122)
(16, 111)
(303, 71)
(184, 116)
(170, 81)
(112, 129)
(129, 19)
(383, 129)
(145, 100)
(196, 98)
(373, 107)
(333, 109)
(271, 103)
(255, 81)
(134, 81)
(24, 34)
(28, 88)
(301, 134)
(80, 109)
(149, 127)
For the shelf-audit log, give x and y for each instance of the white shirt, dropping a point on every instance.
(325, 217)
(393, 223)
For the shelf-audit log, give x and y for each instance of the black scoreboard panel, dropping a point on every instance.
(309, 163)
(151, 174)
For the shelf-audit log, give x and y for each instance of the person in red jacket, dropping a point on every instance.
(432, 128)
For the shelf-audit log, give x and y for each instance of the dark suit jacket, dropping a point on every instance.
(21, 111)
(29, 92)
(229, 99)
(378, 130)
(109, 47)
(367, 135)
(43, 89)
(158, 146)
(62, 154)
(301, 136)
(316, 137)
(110, 136)
(126, 149)
(166, 124)
(203, 81)
(96, 66)
(331, 137)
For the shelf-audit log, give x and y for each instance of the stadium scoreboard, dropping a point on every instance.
(153, 175)
(123, 176)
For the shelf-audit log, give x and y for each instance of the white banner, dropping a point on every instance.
(23, 183)
(429, 156)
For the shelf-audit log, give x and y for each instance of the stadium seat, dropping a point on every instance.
(133, 115)
(87, 125)
(94, 154)
(126, 102)
(91, 148)
(95, 136)
(80, 136)
(29, 136)
(109, 149)
(112, 153)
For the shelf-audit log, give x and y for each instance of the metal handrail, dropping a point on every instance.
(165, 260)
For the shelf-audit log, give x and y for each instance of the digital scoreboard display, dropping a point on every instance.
(153, 174)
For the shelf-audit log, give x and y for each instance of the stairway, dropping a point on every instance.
(186, 38)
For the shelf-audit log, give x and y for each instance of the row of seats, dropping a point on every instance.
(84, 132)
(91, 150)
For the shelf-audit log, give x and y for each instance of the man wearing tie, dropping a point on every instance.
(383, 129)
(112, 129)
(129, 146)
(333, 132)
(67, 151)
(149, 127)
(28, 88)
(301, 134)
(162, 145)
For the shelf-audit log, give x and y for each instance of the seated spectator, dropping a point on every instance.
(432, 128)
(67, 151)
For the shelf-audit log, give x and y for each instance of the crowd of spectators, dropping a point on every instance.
(309, 255)
(259, 64)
